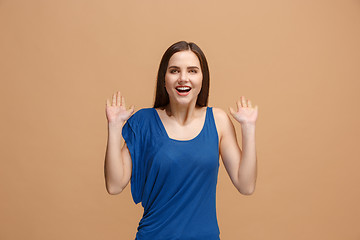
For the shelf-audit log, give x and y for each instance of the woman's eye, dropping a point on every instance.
(173, 71)
(193, 71)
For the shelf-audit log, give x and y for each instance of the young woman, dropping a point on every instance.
(171, 151)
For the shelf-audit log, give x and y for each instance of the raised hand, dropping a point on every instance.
(116, 112)
(245, 113)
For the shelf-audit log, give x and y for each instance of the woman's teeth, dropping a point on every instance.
(183, 89)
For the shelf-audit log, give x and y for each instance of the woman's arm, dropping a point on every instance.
(118, 164)
(240, 165)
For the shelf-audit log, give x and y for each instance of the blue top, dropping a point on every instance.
(175, 180)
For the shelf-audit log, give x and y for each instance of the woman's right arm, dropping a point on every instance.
(118, 164)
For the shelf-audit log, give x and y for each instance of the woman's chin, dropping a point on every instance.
(183, 100)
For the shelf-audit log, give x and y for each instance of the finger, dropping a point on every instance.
(238, 103)
(123, 101)
(249, 103)
(114, 99)
(243, 101)
(107, 102)
(118, 99)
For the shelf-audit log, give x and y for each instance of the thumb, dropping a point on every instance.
(132, 109)
(231, 111)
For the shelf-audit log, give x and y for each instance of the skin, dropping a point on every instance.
(183, 120)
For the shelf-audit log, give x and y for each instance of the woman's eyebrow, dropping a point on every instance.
(187, 67)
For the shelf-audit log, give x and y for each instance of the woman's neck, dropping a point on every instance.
(183, 114)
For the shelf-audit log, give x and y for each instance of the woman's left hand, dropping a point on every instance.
(245, 113)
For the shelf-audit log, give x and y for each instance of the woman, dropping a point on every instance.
(171, 151)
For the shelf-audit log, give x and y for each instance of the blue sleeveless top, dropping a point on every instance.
(175, 180)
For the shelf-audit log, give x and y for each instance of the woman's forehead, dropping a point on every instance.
(184, 58)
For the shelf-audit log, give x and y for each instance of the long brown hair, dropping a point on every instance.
(162, 97)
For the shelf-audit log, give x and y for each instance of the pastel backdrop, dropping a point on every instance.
(299, 61)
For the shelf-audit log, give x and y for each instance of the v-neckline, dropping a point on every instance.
(163, 129)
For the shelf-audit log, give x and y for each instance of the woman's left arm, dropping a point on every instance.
(240, 165)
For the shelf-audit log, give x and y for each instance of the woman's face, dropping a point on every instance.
(183, 78)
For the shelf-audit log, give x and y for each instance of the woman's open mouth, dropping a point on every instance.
(183, 91)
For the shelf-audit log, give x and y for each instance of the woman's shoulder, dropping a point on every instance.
(143, 111)
(222, 120)
(219, 114)
(141, 114)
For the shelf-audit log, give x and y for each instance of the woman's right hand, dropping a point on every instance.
(116, 112)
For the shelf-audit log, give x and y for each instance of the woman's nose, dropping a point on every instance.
(183, 76)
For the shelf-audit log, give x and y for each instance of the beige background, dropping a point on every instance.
(299, 61)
